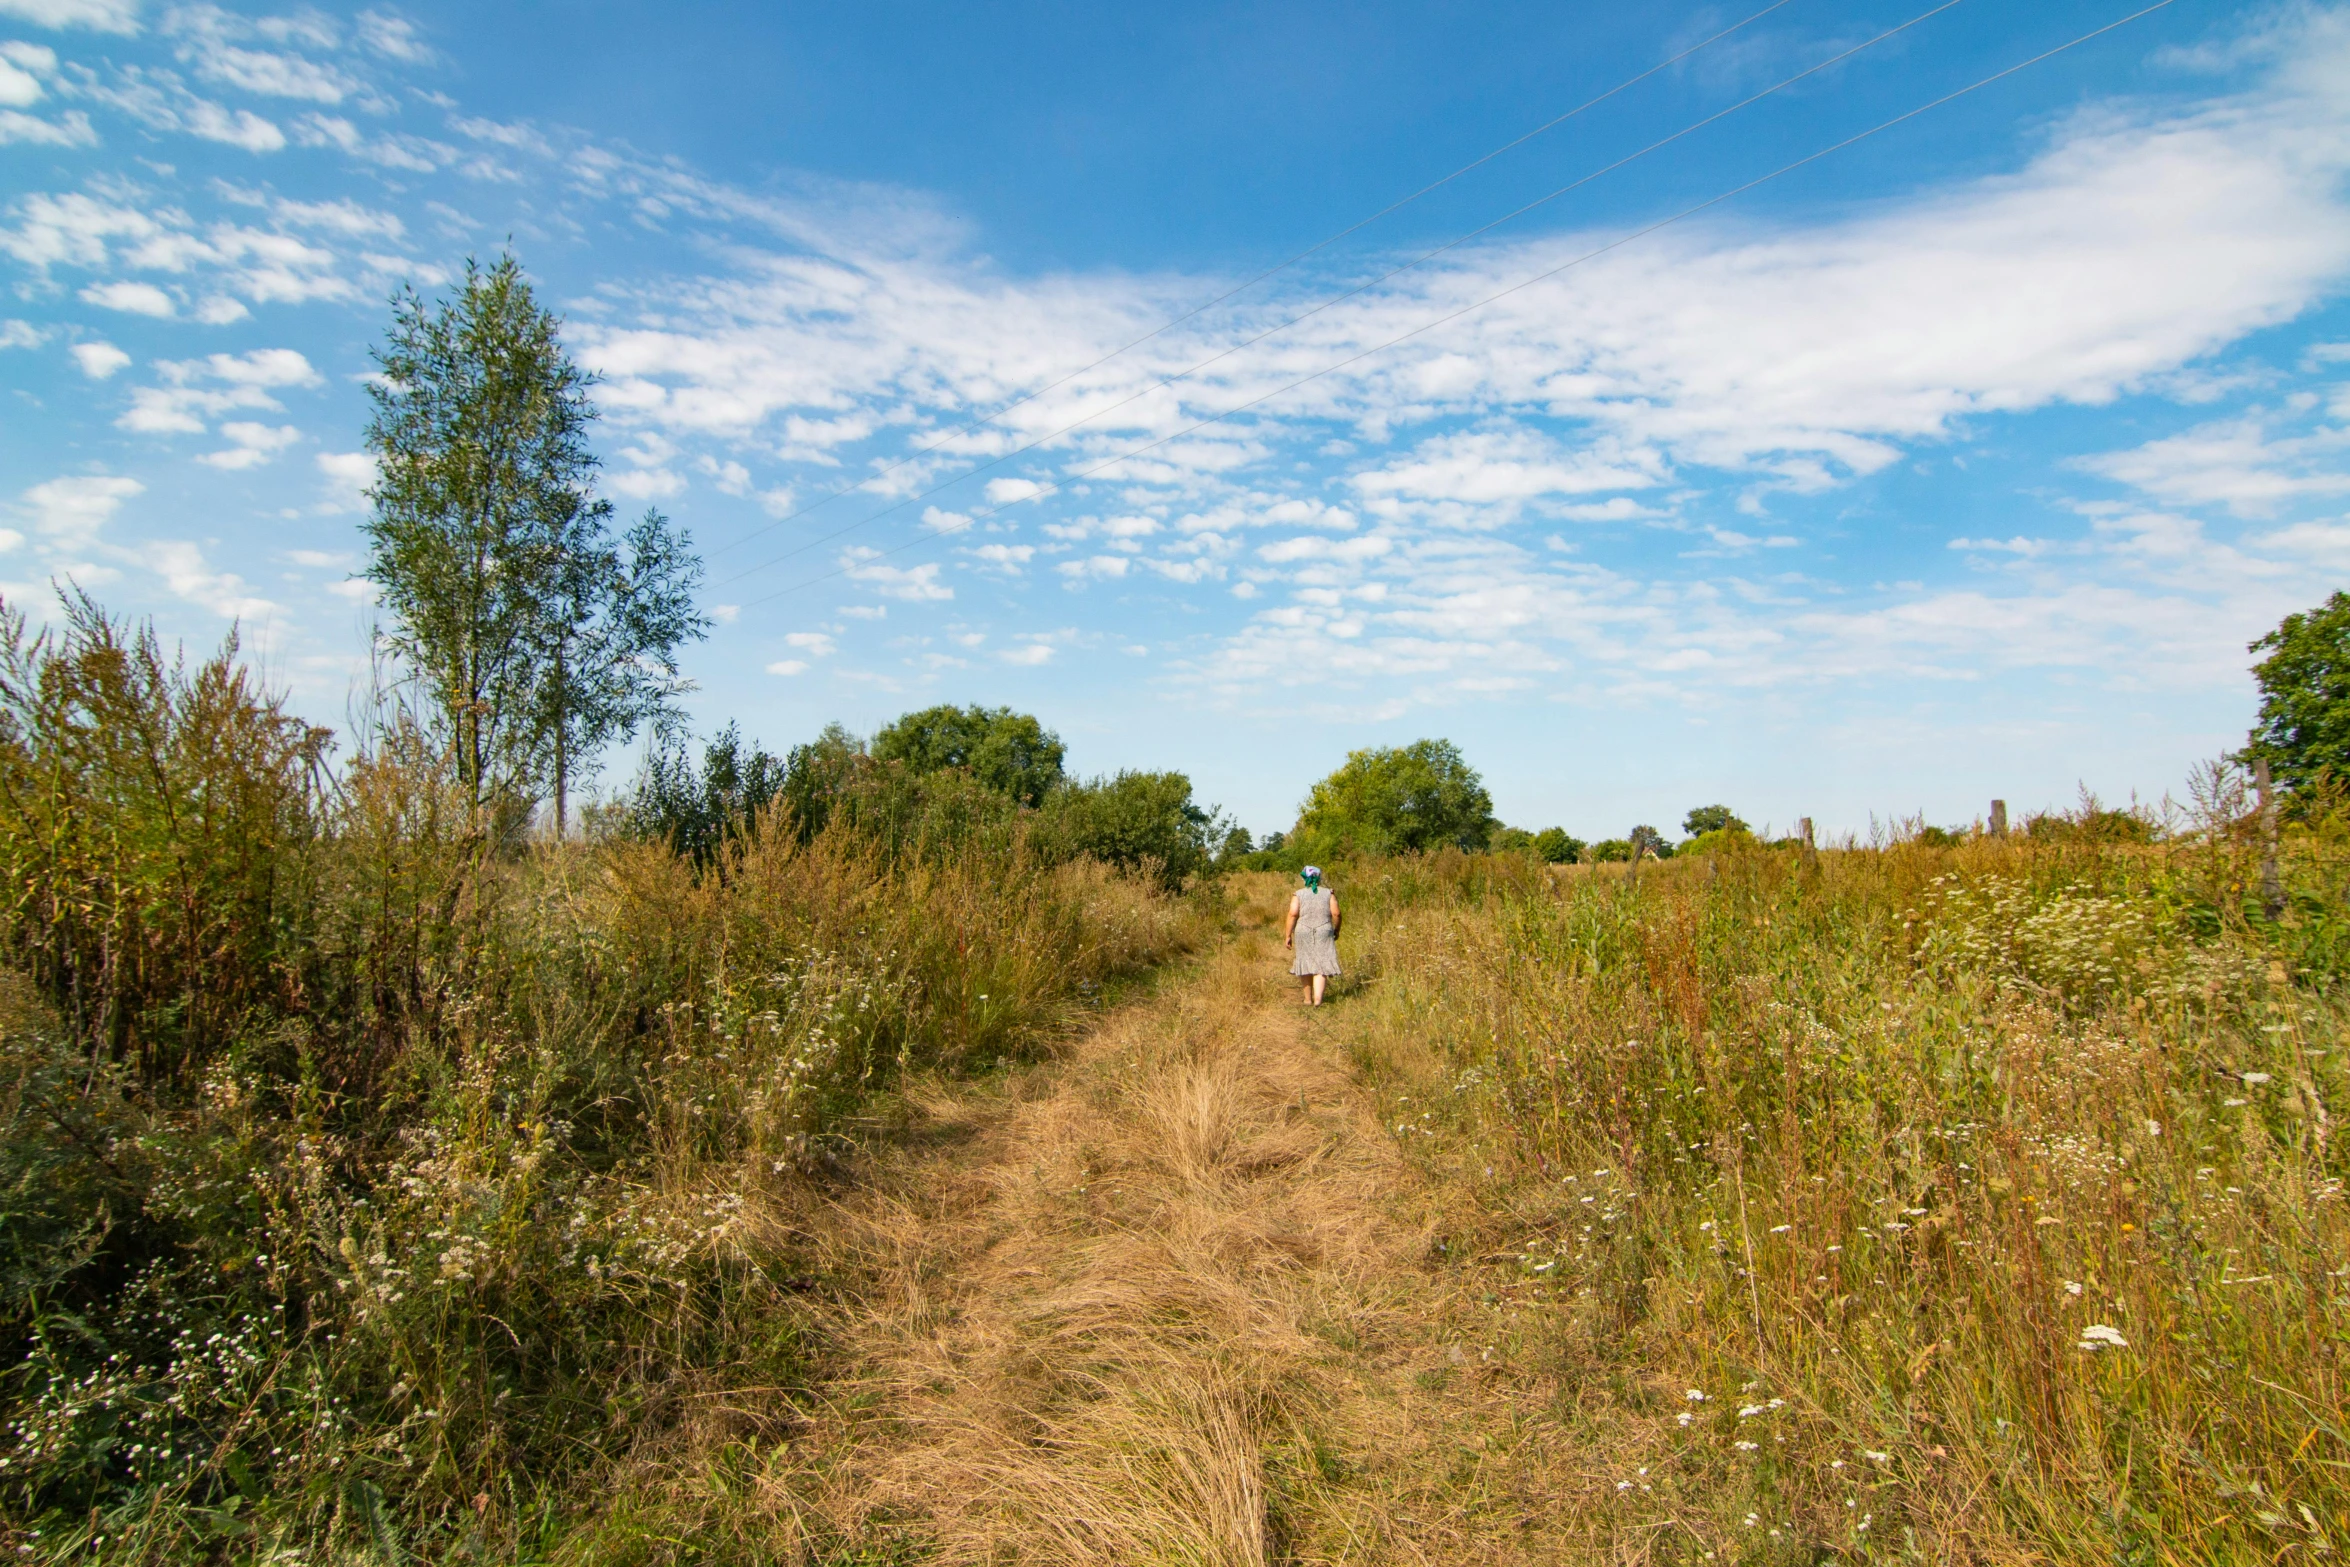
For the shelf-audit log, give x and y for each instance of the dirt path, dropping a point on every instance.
(1171, 1300)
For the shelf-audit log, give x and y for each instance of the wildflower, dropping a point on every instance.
(1744, 1447)
(2098, 1333)
(1623, 1485)
(1684, 1417)
(1694, 1396)
(2070, 1288)
(2255, 1079)
(1875, 1457)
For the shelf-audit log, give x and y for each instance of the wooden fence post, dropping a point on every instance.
(1811, 855)
(2272, 886)
(1998, 818)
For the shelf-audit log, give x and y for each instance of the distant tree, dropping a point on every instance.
(818, 774)
(535, 640)
(1608, 851)
(1007, 751)
(1399, 800)
(1711, 818)
(609, 659)
(2304, 724)
(1135, 821)
(1237, 846)
(1650, 842)
(1557, 846)
(695, 809)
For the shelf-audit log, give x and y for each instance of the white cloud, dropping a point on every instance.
(1093, 568)
(105, 16)
(69, 512)
(191, 577)
(392, 37)
(21, 68)
(71, 129)
(814, 643)
(255, 444)
(2235, 463)
(1030, 654)
(915, 584)
(142, 299)
(197, 389)
(788, 666)
(646, 484)
(1008, 558)
(21, 334)
(348, 476)
(99, 360)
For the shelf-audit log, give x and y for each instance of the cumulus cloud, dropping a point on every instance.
(99, 360)
(69, 512)
(2241, 464)
(194, 390)
(254, 444)
(104, 16)
(139, 299)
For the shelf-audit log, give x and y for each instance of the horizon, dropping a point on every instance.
(1960, 463)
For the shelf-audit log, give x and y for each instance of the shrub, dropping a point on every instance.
(1142, 822)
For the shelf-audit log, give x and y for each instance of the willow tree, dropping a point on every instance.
(538, 638)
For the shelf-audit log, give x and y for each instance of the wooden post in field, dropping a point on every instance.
(1811, 855)
(1998, 818)
(2272, 887)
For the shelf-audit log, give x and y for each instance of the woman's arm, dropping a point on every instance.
(1289, 925)
(1336, 919)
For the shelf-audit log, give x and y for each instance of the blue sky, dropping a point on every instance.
(1963, 461)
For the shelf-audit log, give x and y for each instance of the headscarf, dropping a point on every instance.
(1313, 876)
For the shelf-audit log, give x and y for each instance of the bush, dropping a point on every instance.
(1006, 751)
(1399, 800)
(1139, 822)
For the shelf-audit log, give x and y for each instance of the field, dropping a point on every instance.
(378, 1189)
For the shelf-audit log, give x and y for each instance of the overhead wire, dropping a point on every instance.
(1252, 281)
(1341, 297)
(1049, 487)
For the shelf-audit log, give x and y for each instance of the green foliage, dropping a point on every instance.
(2303, 729)
(1608, 851)
(1144, 822)
(1399, 800)
(1648, 841)
(695, 809)
(2091, 824)
(1557, 846)
(1720, 840)
(537, 639)
(1008, 752)
(150, 816)
(1712, 818)
(1552, 845)
(1958, 1183)
(364, 1197)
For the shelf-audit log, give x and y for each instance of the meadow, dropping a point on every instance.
(380, 1183)
(1975, 1203)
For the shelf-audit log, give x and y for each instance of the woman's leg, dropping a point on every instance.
(1319, 982)
(1305, 989)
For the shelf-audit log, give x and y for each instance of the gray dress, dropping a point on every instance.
(1316, 942)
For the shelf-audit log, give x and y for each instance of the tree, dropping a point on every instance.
(609, 662)
(2304, 725)
(1712, 818)
(1647, 840)
(535, 639)
(1393, 800)
(1007, 751)
(1557, 845)
(1134, 821)
(696, 809)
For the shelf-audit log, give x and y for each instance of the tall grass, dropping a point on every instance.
(1981, 1203)
(373, 1185)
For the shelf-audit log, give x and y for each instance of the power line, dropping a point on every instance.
(1454, 315)
(1340, 298)
(1246, 284)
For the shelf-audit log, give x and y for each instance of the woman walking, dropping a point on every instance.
(1312, 933)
